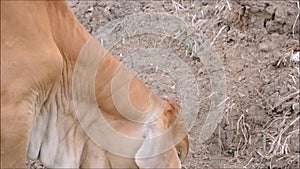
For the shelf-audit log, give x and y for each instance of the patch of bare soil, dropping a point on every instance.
(255, 41)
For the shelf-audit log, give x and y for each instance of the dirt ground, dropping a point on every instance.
(255, 40)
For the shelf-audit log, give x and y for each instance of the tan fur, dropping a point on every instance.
(40, 43)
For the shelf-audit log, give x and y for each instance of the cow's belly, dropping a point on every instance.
(58, 140)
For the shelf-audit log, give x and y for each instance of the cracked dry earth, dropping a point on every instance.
(257, 42)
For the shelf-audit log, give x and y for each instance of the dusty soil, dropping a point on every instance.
(255, 41)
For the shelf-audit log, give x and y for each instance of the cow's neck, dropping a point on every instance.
(68, 33)
(70, 37)
(109, 75)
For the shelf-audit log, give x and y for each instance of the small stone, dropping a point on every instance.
(283, 90)
(296, 107)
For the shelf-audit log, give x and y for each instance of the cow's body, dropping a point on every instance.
(40, 43)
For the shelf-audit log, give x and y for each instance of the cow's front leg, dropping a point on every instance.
(15, 127)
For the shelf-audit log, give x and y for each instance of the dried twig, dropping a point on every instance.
(243, 127)
(177, 5)
(245, 166)
(294, 25)
(274, 120)
(228, 4)
(193, 19)
(285, 99)
(278, 138)
(293, 78)
(220, 31)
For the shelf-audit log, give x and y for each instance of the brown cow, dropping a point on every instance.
(40, 43)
